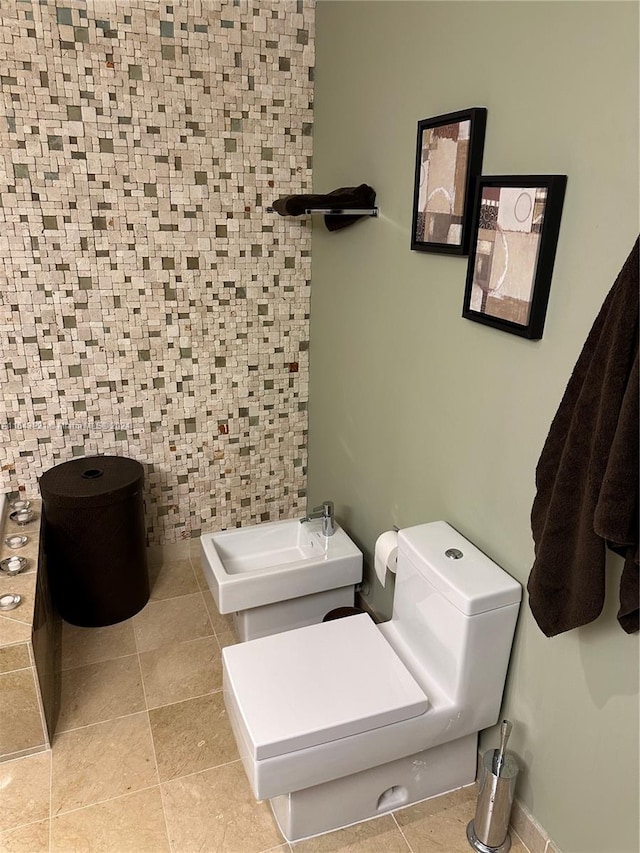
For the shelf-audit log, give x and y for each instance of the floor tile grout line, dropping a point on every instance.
(211, 625)
(179, 643)
(94, 662)
(144, 711)
(19, 669)
(14, 643)
(164, 816)
(198, 592)
(153, 747)
(188, 699)
(102, 802)
(202, 592)
(46, 734)
(513, 832)
(15, 621)
(174, 643)
(102, 722)
(137, 653)
(51, 794)
(180, 594)
(146, 700)
(26, 753)
(197, 772)
(15, 826)
(406, 840)
(195, 571)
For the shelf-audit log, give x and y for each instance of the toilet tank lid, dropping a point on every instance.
(472, 582)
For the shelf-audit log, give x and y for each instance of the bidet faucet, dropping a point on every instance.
(325, 512)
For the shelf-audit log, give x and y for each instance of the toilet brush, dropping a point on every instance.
(488, 831)
(498, 761)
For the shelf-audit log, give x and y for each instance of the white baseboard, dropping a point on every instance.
(531, 833)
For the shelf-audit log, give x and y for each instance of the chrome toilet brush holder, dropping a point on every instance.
(488, 832)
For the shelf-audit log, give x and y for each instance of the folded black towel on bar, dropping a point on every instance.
(587, 476)
(344, 198)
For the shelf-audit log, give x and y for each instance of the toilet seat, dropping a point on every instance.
(318, 684)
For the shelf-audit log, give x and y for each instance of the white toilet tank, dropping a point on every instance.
(456, 610)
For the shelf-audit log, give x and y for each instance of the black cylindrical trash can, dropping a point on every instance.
(341, 613)
(95, 539)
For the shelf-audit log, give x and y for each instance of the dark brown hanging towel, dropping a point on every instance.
(587, 476)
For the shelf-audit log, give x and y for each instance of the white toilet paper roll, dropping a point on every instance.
(385, 554)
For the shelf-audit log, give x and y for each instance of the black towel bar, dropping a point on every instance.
(368, 211)
(330, 211)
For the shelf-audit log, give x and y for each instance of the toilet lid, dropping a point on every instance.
(319, 683)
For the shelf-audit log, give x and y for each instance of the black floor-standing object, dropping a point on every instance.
(95, 539)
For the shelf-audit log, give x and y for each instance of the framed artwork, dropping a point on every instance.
(448, 161)
(516, 220)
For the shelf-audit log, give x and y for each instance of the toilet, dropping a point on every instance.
(347, 720)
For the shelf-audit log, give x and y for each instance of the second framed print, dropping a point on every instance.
(514, 235)
(448, 160)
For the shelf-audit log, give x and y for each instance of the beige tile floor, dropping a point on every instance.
(144, 760)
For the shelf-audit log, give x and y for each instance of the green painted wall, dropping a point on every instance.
(417, 414)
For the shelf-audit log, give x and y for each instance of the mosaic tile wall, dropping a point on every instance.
(149, 305)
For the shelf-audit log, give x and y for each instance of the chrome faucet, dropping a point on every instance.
(325, 512)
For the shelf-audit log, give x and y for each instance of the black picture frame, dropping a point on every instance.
(516, 222)
(449, 153)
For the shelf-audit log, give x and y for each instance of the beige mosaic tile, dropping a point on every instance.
(152, 306)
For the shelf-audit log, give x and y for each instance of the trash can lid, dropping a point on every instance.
(91, 481)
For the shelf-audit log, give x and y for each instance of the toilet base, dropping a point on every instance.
(377, 791)
(293, 613)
